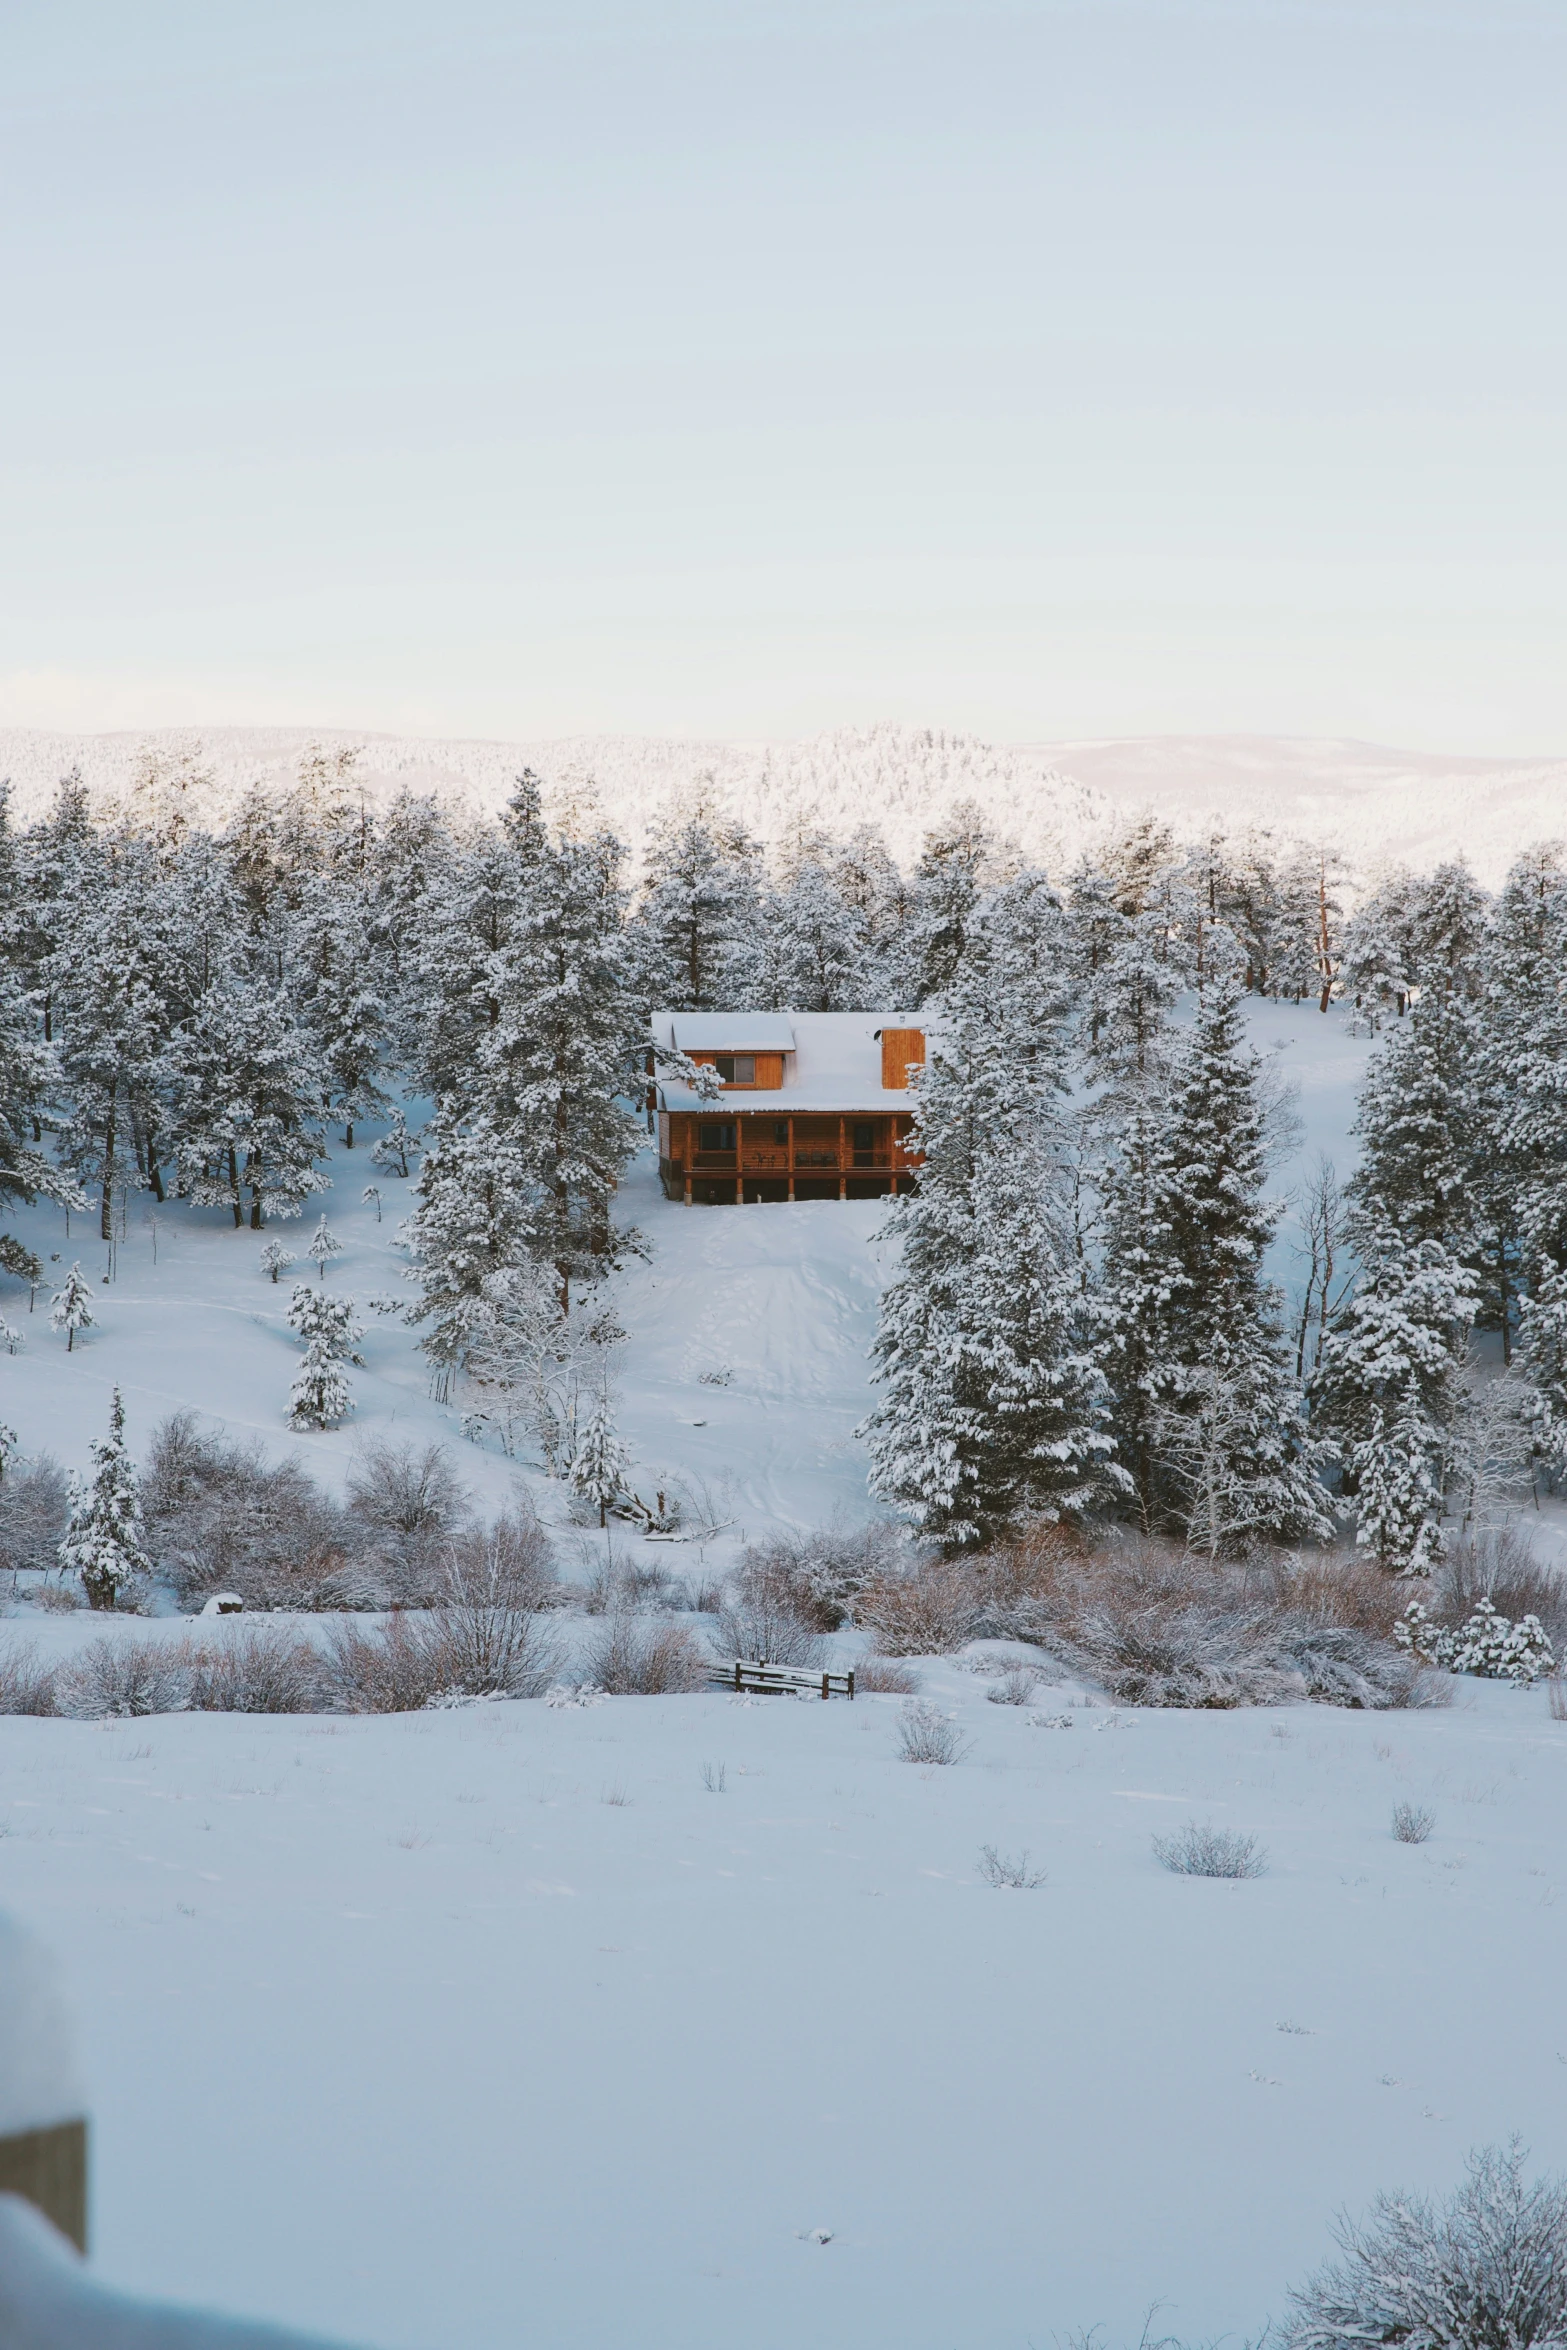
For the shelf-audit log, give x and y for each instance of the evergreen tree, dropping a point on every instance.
(1417, 1130)
(103, 1542)
(246, 1088)
(599, 1469)
(1446, 932)
(960, 859)
(334, 987)
(1211, 1425)
(816, 946)
(1376, 971)
(1309, 944)
(111, 1031)
(325, 1322)
(319, 1396)
(991, 1403)
(70, 1309)
(470, 1235)
(322, 1246)
(698, 919)
(1397, 1475)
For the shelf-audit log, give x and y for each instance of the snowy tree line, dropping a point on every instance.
(1080, 1320)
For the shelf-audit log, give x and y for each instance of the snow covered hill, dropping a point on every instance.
(1055, 798)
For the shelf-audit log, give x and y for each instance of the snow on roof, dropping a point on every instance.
(731, 1032)
(835, 1063)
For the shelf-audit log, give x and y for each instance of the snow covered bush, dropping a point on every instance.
(930, 1610)
(221, 1516)
(410, 1503)
(257, 1670)
(765, 1626)
(386, 1668)
(1015, 1687)
(883, 1676)
(822, 1572)
(124, 1677)
(1412, 1823)
(275, 1260)
(1208, 1851)
(1500, 1564)
(634, 1656)
(1487, 2270)
(484, 1633)
(35, 1508)
(927, 1735)
(1488, 1645)
(26, 1686)
(1002, 1870)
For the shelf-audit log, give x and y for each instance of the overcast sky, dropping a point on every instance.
(1065, 368)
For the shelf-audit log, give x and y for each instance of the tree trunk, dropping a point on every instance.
(239, 1205)
(106, 1210)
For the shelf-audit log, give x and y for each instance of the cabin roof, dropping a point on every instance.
(731, 1032)
(835, 1061)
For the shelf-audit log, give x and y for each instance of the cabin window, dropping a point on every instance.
(864, 1143)
(781, 1132)
(713, 1136)
(736, 1068)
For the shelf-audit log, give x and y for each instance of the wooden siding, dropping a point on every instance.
(900, 1048)
(769, 1071)
(724, 1147)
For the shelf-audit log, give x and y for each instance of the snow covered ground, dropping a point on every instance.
(472, 2026)
(492, 2025)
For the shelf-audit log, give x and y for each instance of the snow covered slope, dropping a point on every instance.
(1055, 798)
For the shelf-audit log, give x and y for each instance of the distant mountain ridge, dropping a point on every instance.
(1373, 804)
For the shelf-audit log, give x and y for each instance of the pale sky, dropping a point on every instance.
(748, 367)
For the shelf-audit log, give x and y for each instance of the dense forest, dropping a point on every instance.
(1080, 1321)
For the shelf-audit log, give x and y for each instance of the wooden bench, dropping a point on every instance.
(757, 1680)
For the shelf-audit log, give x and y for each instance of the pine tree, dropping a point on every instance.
(959, 861)
(70, 1309)
(1446, 932)
(246, 1089)
(319, 1396)
(469, 1237)
(698, 918)
(1309, 944)
(1210, 1423)
(1396, 1472)
(816, 946)
(333, 984)
(111, 1029)
(599, 1469)
(991, 1402)
(275, 1259)
(103, 1539)
(1376, 971)
(325, 1322)
(322, 1246)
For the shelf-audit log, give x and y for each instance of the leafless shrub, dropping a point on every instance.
(411, 1503)
(928, 1611)
(1412, 1823)
(58, 1599)
(883, 1676)
(715, 1778)
(485, 1627)
(763, 1626)
(821, 1573)
(219, 1516)
(999, 1869)
(634, 1656)
(927, 1735)
(1556, 1694)
(124, 1677)
(26, 1686)
(1485, 2270)
(35, 1505)
(256, 1670)
(1015, 1687)
(1500, 1565)
(386, 1668)
(1155, 1625)
(1208, 1851)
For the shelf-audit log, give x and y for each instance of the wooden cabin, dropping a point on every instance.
(815, 1105)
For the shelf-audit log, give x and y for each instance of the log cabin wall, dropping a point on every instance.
(728, 1155)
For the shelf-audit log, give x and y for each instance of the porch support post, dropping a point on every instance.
(791, 1157)
(843, 1180)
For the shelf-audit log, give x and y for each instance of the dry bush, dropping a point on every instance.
(1016, 1686)
(764, 1626)
(124, 1677)
(35, 1506)
(634, 1656)
(882, 1676)
(219, 1516)
(411, 1503)
(1502, 1566)
(1412, 1823)
(388, 1669)
(1208, 1851)
(927, 1735)
(1001, 1869)
(821, 1574)
(257, 1670)
(1156, 1625)
(485, 1629)
(1485, 2271)
(59, 1599)
(928, 1611)
(26, 1686)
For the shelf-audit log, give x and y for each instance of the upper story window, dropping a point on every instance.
(736, 1068)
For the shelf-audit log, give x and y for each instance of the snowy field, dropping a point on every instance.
(493, 2024)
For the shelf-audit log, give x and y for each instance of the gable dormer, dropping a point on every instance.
(750, 1050)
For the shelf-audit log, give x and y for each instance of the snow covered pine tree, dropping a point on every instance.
(103, 1539)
